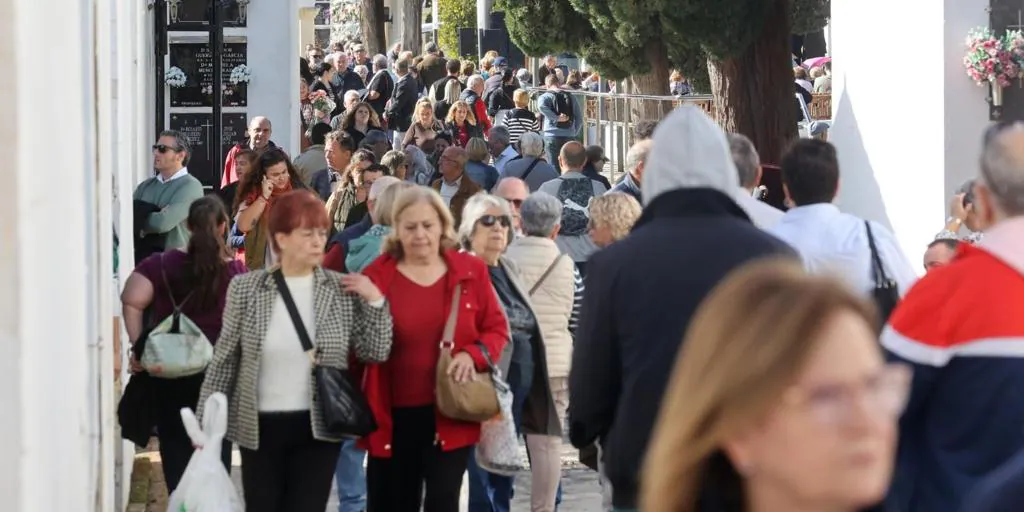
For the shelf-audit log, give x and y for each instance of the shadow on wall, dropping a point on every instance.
(859, 193)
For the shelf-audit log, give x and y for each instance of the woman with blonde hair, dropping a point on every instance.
(780, 400)
(452, 91)
(477, 168)
(423, 276)
(520, 119)
(424, 125)
(462, 124)
(612, 215)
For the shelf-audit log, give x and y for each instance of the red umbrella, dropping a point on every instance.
(816, 61)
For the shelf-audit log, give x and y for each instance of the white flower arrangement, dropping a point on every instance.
(240, 74)
(175, 77)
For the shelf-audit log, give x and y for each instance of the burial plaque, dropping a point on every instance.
(197, 127)
(232, 132)
(184, 14)
(196, 61)
(233, 55)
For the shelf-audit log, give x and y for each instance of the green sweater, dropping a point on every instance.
(175, 198)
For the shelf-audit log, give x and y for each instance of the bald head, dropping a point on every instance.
(515, 191)
(572, 157)
(453, 163)
(512, 189)
(1002, 169)
(259, 132)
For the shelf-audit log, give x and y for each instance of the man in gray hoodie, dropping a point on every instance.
(642, 291)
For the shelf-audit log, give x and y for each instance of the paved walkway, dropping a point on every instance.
(581, 491)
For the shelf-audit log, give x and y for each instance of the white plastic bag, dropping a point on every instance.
(206, 486)
(498, 449)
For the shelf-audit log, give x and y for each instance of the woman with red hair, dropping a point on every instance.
(262, 365)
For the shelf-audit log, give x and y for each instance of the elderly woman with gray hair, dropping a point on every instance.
(531, 168)
(486, 230)
(556, 291)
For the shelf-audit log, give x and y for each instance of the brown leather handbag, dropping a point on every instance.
(475, 400)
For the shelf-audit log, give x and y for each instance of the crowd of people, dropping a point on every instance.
(714, 352)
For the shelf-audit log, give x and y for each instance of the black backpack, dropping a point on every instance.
(575, 196)
(563, 105)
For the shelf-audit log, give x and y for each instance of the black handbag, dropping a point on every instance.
(886, 293)
(344, 409)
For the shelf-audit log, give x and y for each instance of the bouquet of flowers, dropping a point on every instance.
(240, 74)
(175, 77)
(322, 104)
(1014, 42)
(989, 59)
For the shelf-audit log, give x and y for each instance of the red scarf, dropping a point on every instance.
(274, 194)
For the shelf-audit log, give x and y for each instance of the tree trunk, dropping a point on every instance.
(373, 27)
(652, 83)
(754, 91)
(412, 25)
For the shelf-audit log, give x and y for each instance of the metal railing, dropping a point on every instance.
(608, 118)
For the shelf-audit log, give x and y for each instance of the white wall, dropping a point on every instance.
(273, 29)
(44, 328)
(904, 142)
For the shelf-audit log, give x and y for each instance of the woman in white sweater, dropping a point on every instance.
(555, 290)
(259, 361)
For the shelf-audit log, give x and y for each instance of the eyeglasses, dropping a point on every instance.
(163, 148)
(882, 394)
(491, 220)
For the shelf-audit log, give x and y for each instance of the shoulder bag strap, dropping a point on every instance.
(536, 160)
(448, 337)
(167, 284)
(289, 303)
(546, 273)
(876, 261)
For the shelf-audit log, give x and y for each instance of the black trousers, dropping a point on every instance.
(175, 446)
(291, 471)
(396, 484)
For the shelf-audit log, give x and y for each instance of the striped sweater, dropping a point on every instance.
(961, 329)
(519, 121)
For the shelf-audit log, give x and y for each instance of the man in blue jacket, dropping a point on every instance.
(562, 116)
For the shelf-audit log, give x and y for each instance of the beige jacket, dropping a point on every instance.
(552, 301)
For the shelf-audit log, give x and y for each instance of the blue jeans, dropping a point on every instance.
(489, 492)
(350, 478)
(553, 146)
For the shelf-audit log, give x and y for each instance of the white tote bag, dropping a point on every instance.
(206, 486)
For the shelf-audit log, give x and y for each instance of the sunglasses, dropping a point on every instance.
(163, 148)
(491, 220)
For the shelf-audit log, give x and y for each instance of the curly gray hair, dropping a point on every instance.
(420, 169)
(477, 207)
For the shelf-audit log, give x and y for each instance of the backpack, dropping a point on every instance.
(563, 105)
(176, 347)
(575, 196)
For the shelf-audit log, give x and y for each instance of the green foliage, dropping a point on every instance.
(810, 15)
(614, 35)
(453, 15)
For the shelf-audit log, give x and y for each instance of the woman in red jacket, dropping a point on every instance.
(418, 274)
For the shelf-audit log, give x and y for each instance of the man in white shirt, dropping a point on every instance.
(830, 241)
(748, 166)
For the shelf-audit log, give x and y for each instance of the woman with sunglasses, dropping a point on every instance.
(271, 177)
(486, 231)
(781, 399)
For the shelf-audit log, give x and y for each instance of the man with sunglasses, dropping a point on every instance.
(162, 202)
